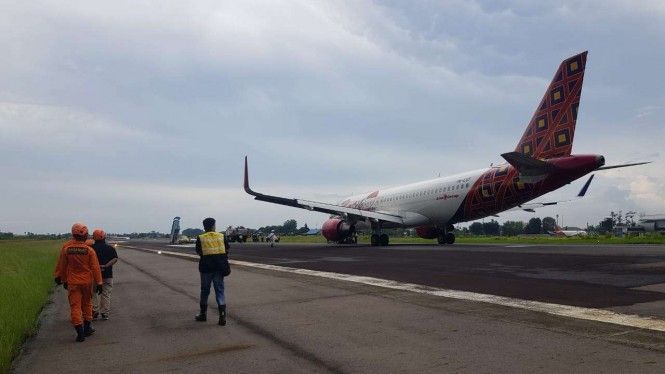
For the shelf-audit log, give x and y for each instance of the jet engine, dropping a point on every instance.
(336, 229)
(427, 232)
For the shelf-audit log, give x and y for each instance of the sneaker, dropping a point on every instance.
(105, 316)
(95, 315)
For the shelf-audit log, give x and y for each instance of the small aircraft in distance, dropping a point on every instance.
(541, 162)
(558, 231)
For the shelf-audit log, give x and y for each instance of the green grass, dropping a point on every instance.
(26, 279)
(589, 240)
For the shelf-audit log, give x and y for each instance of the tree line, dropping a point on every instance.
(289, 227)
(546, 225)
(513, 228)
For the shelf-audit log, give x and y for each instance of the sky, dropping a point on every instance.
(125, 114)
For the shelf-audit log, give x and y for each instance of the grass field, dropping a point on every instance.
(26, 278)
(589, 240)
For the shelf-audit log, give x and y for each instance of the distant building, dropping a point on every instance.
(647, 223)
(653, 222)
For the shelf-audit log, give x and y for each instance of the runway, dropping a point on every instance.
(290, 322)
(629, 279)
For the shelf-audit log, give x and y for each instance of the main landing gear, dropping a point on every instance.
(446, 236)
(379, 240)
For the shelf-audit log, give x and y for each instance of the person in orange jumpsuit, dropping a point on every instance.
(76, 269)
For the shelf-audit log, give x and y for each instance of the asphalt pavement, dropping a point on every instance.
(284, 322)
(628, 278)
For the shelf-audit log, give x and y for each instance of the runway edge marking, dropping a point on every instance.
(590, 314)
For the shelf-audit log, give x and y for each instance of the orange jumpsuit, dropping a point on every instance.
(78, 267)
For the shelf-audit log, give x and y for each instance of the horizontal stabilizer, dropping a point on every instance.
(623, 166)
(530, 169)
(521, 161)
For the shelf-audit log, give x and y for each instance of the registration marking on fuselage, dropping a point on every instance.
(590, 314)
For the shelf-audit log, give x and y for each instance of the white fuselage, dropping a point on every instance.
(433, 201)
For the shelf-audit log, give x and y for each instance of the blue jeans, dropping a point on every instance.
(217, 279)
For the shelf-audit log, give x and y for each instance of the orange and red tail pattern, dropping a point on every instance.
(552, 127)
(549, 135)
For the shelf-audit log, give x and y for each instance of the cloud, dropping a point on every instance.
(158, 105)
(52, 126)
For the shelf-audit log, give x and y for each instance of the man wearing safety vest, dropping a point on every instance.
(212, 247)
(76, 269)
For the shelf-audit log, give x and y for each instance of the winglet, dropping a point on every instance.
(585, 187)
(246, 184)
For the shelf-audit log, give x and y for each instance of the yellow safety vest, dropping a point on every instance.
(212, 243)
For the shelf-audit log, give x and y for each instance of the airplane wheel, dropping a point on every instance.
(383, 239)
(441, 239)
(450, 238)
(374, 240)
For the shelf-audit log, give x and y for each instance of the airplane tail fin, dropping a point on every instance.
(552, 127)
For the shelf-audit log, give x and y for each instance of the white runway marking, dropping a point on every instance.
(590, 314)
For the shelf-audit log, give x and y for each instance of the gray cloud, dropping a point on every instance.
(154, 104)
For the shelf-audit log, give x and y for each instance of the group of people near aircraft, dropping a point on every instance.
(85, 270)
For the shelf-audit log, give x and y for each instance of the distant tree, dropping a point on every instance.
(492, 228)
(290, 226)
(535, 226)
(512, 228)
(617, 218)
(606, 225)
(192, 233)
(476, 228)
(548, 224)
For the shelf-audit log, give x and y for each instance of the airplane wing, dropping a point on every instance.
(530, 207)
(319, 206)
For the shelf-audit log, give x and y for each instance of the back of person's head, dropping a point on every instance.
(99, 235)
(79, 232)
(209, 224)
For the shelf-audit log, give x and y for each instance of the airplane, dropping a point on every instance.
(541, 162)
(568, 233)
